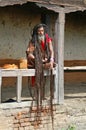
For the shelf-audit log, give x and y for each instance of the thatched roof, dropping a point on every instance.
(54, 5)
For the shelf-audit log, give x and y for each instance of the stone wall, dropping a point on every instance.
(16, 25)
(75, 36)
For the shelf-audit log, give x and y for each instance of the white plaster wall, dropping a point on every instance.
(15, 30)
(75, 36)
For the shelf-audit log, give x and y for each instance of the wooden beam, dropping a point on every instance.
(51, 5)
(80, 3)
(20, 2)
(58, 8)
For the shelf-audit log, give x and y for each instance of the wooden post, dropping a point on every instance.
(56, 85)
(59, 50)
(19, 86)
(61, 22)
(0, 84)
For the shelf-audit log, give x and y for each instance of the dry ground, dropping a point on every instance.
(73, 111)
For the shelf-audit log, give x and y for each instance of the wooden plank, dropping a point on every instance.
(31, 72)
(24, 72)
(27, 72)
(75, 68)
(9, 72)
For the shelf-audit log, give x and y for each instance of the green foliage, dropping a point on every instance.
(71, 128)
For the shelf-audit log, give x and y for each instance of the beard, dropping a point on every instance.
(41, 38)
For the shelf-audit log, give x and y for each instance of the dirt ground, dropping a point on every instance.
(73, 111)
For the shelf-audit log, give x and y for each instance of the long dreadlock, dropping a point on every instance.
(39, 79)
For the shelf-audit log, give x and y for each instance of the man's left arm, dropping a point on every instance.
(51, 53)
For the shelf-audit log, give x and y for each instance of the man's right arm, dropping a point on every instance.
(30, 50)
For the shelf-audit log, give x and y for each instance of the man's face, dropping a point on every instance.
(41, 31)
(41, 36)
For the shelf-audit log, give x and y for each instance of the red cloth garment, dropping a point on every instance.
(33, 81)
(42, 45)
(47, 40)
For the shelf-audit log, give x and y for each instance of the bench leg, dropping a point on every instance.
(19, 87)
(56, 86)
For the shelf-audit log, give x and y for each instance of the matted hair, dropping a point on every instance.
(35, 29)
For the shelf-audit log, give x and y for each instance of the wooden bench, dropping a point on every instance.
(75, 68)
(19, 73)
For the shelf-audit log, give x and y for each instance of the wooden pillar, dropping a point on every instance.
(59, 50)
(0, 84)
